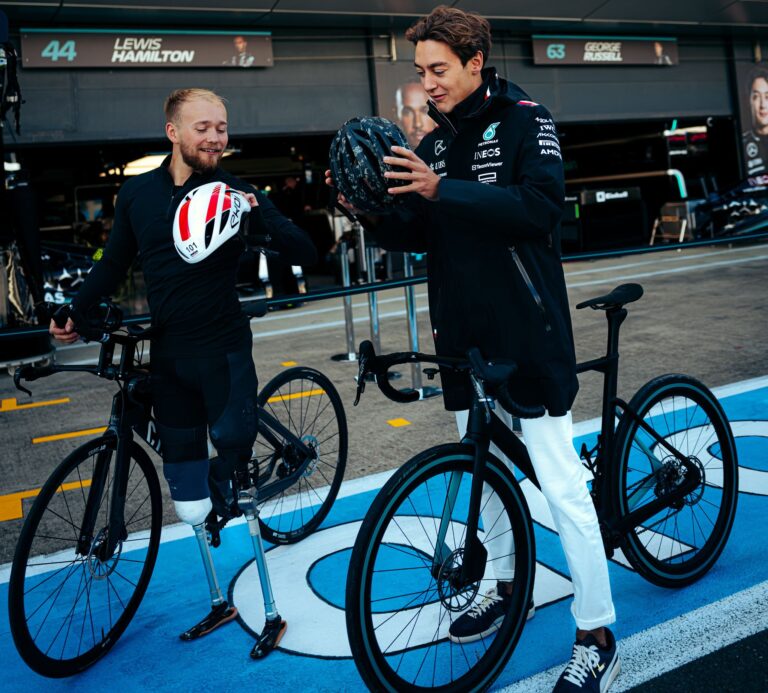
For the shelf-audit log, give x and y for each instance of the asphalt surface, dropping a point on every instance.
(703, 313)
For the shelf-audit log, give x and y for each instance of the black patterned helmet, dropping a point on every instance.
(357, 163)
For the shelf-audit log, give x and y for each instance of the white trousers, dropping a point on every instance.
(563, 480)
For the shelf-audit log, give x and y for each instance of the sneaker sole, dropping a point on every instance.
(611, 675)
(464, 639)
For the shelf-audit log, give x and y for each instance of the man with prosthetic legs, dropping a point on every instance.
(185, 223)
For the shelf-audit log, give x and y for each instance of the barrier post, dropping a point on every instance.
(346, 282)
(413, 332)
(368, 254)
(373, 298)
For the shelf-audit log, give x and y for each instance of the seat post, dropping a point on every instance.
(615, 317)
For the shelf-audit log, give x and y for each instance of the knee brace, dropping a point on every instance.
(193, 512)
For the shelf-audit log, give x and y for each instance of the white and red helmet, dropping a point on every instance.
(207, 217)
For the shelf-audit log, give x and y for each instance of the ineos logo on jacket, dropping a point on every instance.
(488, 153)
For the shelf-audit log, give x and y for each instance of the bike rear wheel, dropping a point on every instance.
(308, 405)
(69, 599)
(402, 593)
(681, 542)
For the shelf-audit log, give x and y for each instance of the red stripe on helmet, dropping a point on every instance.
(184, 220)
(213, 203)
(227, 200)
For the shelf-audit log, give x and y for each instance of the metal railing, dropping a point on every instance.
(408, 282)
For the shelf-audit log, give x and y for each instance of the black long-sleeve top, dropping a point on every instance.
(194, 307)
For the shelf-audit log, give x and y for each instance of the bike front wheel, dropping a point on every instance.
(404, 586)
(682, 541)
(308, 405)
(70, 597)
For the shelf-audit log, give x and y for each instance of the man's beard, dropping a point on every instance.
(192, 158)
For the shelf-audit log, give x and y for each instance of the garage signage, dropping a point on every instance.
(74, 48)
(604, 50)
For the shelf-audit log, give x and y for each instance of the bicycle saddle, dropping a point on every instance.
(620, 296)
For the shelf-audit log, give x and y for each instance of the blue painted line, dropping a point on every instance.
(150, 656)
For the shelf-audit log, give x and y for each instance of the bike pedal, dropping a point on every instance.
(270, 638)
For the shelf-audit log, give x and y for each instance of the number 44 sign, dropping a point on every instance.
(56, 50)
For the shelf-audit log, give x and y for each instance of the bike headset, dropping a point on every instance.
(208, 216)
(357, 163)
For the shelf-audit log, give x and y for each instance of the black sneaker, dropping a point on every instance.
(591, 668)
(483, 618)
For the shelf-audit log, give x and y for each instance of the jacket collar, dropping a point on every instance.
(193, 181)
(492, 90)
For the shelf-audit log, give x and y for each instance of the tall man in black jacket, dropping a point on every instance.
(489, 197)
(203, 376)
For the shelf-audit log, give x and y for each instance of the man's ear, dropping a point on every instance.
(170, 132)
(476, 63)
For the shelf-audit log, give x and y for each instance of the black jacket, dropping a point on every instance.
(194, 307)
(492, 238)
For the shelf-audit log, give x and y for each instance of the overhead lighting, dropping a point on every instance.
(143, 164)
(152, 161)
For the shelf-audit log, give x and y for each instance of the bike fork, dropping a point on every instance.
(441, 548)
(475, 554)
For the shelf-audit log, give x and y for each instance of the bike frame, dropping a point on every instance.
(613, 524)
(484, 427)
(132, 412)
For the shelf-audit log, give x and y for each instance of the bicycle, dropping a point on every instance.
(88, 546)
(665, 490)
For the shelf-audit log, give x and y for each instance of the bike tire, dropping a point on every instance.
(109, 591)
(306, 402)
(683, 411)
(386, 536)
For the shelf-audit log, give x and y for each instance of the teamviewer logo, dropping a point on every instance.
(600, 196)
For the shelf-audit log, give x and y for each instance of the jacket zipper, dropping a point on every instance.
(531, 288)
(438, 115)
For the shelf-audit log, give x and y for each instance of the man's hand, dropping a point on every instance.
(343, 201)
(422, 179)
(250, 197)
(66, 334)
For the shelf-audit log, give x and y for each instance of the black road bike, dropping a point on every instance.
(89, 543)
(665, 490)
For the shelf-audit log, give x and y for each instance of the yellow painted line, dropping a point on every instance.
(296, 395)
(10, 504)
(11, 404)
(73, 434)
(397, 423)
(287, 364)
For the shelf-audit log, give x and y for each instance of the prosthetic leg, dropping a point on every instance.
(188, 482)
(221, 611)
(202, 515)
(274, 627)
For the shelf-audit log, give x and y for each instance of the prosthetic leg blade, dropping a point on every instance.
(270, 637)
(220, 614)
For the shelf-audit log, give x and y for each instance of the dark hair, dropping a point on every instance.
(758, 72)
(465, 33)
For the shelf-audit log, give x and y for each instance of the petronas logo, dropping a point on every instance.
(490, 133)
